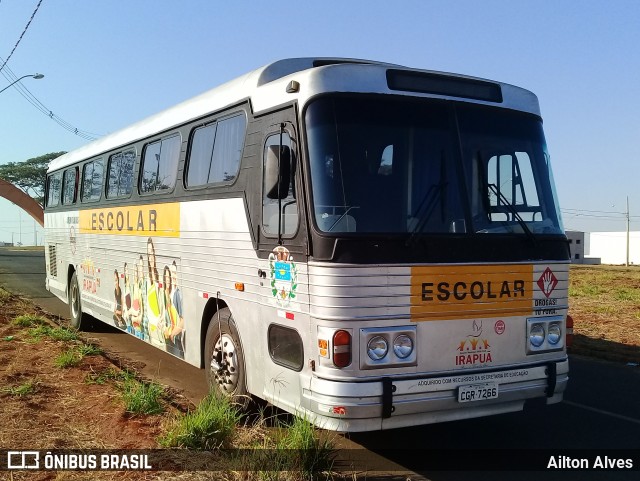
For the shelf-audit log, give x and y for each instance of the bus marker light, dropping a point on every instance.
(341, 348)
(323, 347)
(286, 315)
(293, 87)
(239, 286)
(569, 331)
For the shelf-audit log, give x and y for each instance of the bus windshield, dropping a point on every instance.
(420, 166)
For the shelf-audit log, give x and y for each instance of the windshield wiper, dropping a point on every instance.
(428, 204)
(430, 200)
(346, 211)
(512, 210)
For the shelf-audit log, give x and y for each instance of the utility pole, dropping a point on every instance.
(628, 228)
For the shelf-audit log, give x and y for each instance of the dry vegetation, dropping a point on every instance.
(604, 302)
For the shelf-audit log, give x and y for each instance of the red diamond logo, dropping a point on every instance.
(547, 282)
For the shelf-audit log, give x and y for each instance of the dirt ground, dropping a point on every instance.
(61, 410)
(604, 302)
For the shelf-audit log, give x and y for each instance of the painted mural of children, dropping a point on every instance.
(171, 315)
(117, 293)
(176, 300)
(155, 309)
(137, 304)
(126, 297)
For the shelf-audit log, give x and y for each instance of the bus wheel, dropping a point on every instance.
(76, 316)
(224, 360)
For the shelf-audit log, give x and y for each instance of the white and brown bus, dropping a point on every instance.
(369, 245)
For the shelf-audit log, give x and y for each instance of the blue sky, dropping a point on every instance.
(109, 63)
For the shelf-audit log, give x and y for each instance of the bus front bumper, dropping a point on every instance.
(389, 403)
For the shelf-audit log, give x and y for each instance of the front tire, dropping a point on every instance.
(76, 317)
(224, 360)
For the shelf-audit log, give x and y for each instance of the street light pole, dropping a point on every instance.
(36, 76)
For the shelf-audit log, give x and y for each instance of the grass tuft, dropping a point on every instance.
(110, 374)
(57, 333)
(69, 358)
(63, 334)
(25, 389)
(302, 449)
(142, 398)
(89, 350)
(29, 320)
(210, 426)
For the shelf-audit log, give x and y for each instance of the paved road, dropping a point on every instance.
(601, 411)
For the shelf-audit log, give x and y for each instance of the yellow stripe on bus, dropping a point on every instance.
(158, 220)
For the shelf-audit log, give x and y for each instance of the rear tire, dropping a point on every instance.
(224, 360)
(76, 318)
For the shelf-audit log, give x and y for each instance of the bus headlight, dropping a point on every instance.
(536, 335)
(388, 347)
(402, 346)
(377, 348)
(554, 334)
(546, 334)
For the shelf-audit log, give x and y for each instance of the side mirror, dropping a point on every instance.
(277, 172)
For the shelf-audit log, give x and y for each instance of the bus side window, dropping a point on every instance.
(92, 177)
(69, 184)
(55, 186)
(286, 207)
(160, 164)
(120, 174)
(216, 149)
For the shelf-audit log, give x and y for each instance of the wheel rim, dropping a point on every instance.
(75, 301)
(224, 365)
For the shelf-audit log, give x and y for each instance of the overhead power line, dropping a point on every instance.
(22, 35)
(24, 91)
(602, 214)
(11, 77)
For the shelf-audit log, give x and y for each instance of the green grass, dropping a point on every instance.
(55, 333)
(210, 426)
(626, 294)
(110, 374)
(69, 358)
(63, 334)
(584, 290)
(29, 320)
(25, 389)
(301, 449)
(89, 350)
(141, 397)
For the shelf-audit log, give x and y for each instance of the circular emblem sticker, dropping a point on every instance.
(500, 327)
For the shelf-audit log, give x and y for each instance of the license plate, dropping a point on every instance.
(477, 392)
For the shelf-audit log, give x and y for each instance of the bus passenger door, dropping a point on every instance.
(283, 259)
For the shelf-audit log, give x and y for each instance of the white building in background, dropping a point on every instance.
(576, 245)
(611, 247)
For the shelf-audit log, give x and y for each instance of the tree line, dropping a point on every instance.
(29, 175)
